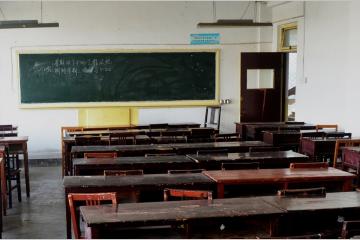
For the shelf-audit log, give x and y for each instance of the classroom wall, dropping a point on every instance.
(328, 86)
(93, 25)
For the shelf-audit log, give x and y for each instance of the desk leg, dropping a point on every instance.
(91, 233)
(220, 190)
(68, 217)
(26, 169)
(347, 185)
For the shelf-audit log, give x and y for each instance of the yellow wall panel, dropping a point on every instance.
(107, 116)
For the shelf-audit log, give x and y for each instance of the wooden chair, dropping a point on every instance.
(171, 136)
(185, 171)
(317, 165)
(263, 149)
(328, 126)
(239, 166)
(350, 229)
(343, 143)
(186, 194)
(87, 140)
(90, 199)
(227, 137)
(122, 138)
(123, 172)
(3, 182)
(12, 172)
(201, 135)
(212, 151)
(210, 117)
(305, 192)
(100, 155)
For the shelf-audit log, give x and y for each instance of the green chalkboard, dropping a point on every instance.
(117, 77)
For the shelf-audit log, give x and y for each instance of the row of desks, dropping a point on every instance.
(161, 164)
(154, 184)
(254, 130)
(281, 215)
(177, 148)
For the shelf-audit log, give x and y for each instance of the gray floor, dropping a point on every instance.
(43, 214)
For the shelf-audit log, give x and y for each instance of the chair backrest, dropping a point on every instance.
(212, 151)
(263, 149)
(328, 126)
(316, 165)
(202, 132)
(343, 143)
(7, 131)
(305, 192)
(122, 138)
(240, 166)
(100, 155)
(350, 229)
(212, 117)
(87, 140)
(186, 194)
(312, 134)
(227, 137)
(158, 126)
(123, 172)
(185, 171)
(173, 133)
(89, 199)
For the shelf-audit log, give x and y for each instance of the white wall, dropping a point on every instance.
(328, 84)
(91, 25)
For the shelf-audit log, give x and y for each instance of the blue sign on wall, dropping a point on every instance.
(204, 38)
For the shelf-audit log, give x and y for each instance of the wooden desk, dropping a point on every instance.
(318, 149)
(179, 148)
(242, 128)
(154, 183)
(284, 139)
(106, 132)
(277, 159)
(282, 176)
(99, 219)
(316, 214)
(242, 146)
(255, 132)
(151, 164)
(19, 144)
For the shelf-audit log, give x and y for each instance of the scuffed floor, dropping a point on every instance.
(43, 214)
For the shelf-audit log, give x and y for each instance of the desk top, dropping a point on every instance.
(172, 146)
(19, 139)
(336, 200)
(176, 211)
(132, 160)
(114, 148)
(276, 175)
(220, 144)
(253, 156)
(107, 132)
(136, 180)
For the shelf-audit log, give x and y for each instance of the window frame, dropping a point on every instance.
(281, 40)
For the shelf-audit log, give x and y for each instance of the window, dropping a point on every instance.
(288, 37)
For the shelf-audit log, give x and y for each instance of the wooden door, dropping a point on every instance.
(263, 87)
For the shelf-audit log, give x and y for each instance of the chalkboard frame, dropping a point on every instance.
(180, 103)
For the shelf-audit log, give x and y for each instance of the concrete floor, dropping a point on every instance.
(43, 214)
